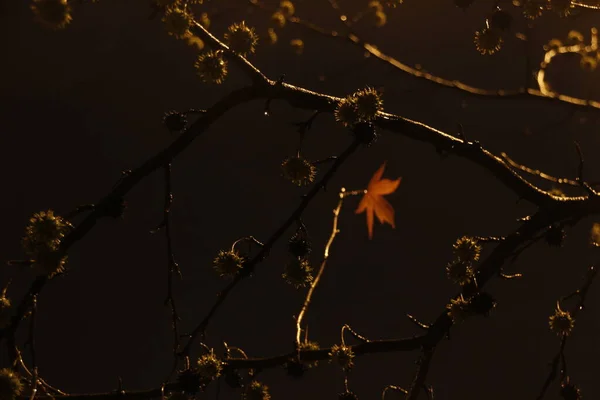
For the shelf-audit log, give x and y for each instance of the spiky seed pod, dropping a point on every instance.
(500, 19)
(467, 249)
(287, 8)
(43, 236)
(10, 384)
(343, 355)
(464, 4)
(297, 46)
(488, 41)
(564, 8)
(49, 263)
(561, 322)
(256, 391)
(346, 112)
(175, 121)
(211, 67)
(460, 272)
(189, 381)
(309, 345)
(209, 366)
(299, 244)
(482, 303)
(54, 14)
(365, 133)
(44, 232)
(241, 39)
(228, 263)
(368, 103)
(299, 171)
(178, 21)
(533, 9)
(278, 19)
(458, 309)
(347, 395)
(568, 390)
(298, 273)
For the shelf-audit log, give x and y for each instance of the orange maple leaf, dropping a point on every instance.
(374, 203)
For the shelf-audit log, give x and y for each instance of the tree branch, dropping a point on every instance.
(419, 73)
(104, 206)
(249, 267)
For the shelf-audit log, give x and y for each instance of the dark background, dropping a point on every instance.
(79, 106)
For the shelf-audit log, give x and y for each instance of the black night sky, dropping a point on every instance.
(81, 105)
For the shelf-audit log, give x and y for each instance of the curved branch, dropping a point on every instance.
(419, 73)
(553, 208)
(300, 98)
(371, 347)
(249, 267)
(303, 98)
(105, 205)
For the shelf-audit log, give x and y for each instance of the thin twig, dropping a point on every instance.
(315, 282)
(420, 73)
(172, 266)
(422, 369)
(560, 355)
(248, 268)
(128, 181)
(392, 387)
(417, 322)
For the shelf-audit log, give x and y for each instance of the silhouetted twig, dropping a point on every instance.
(250, 265)
(581, 293)
(172, 266)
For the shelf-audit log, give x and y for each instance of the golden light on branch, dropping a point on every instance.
(334, 231)
(589, 57)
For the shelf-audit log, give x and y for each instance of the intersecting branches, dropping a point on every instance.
(553, 209)
(302, 98)
(248, 268)
(417, 72)
(560, 358)
(436, 331)
(541, 174)
(422, 369)
(107, 204)
(336, 214)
